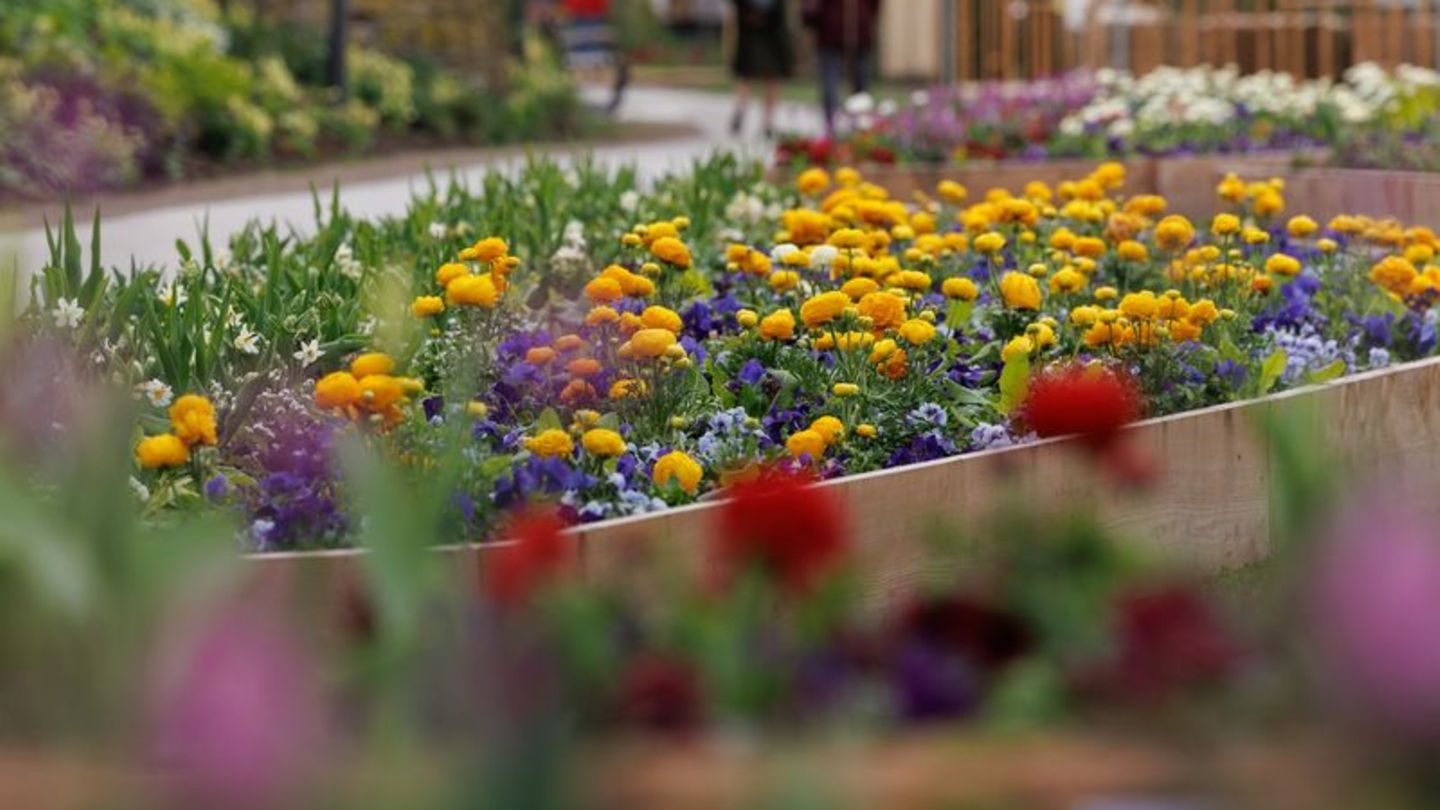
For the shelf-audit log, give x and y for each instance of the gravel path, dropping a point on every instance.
(148, 236)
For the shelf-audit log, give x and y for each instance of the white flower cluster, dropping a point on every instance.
(1170, 96)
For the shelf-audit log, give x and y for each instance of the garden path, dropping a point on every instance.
(148, 236)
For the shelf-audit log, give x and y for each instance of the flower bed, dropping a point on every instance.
(647, 371)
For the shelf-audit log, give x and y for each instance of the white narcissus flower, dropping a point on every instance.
(68, 313)
(172, 294)
(308, 352)
(159, 394)
(247, 341)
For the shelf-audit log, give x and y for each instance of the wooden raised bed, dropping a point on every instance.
(1187, 182)
(1209, 510)
(1412, 198)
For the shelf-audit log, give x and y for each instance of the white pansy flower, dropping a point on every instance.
(860, 104)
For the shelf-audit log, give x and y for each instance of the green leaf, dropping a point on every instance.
(548, 420)
(1270, 371)
(1327, 373)
(1014, 383)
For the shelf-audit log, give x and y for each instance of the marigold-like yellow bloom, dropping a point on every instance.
(602, 442)
(1282, 265)
(604, 290)
(1394, 274)
(830, 428)
(806, 443)
(812, 181)
(866, 430)
(657, 317)
(962, 288)
(339, 389)
(599, 316)
(849, 238)
(1224, 224)
(165, 450)
(1018, 346)
(951, 191)
(1174, 233)
(783, 280)
(1301, 226)
(884, 310)
(1067, 280)
(823, 308)
(473, 291)
(747, 318)
(844, 389)
(680, 468)
(917, 331)
(192, 418)
(857, 288)
(651, 343)
(424, 306)
(371, 363)
(449, 272)
(778, 325)
(379, 392)
(1140, 306)
(551, 443)
(989, 242)
(1020, 291)
(486, 250)
(671, 250)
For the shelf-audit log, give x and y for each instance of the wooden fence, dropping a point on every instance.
(1029, 39)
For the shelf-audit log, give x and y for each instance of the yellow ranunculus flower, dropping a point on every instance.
(857, 288)
(371, 363)
(1018, 345)
(671, 250)
(602, 442)
(823, 308)
(604, 290)
(844, 389)
(830, 428)
(1282, 265)
(1174, 233)
(651, 343)
(884, 310)
(812, 181)
(449, 272)
(680, 468)
(658, 317)
(778, 325)
(192, 418)
(1140, 306)
(165, 450)
(339, 389)
(962, 288)
(473, 291)
(1020, 291)
(425, 306)
(988, 242)
(380, 391)
(917, 331)
(551, 443)
(806, 443)
(1224, 224)
(747, 318)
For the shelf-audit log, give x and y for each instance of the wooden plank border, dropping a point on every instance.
(1209, 510)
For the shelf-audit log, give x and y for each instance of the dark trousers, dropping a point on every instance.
(836, 66)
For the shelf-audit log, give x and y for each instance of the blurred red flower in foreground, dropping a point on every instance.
(783, 524)
(1074, 400)
(537, 553)
(660, 693)
(1170, 638)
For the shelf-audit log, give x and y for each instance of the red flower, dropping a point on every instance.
(1092, 403)
(782, 523)
(538, 553)
(660, 693)
(1170, 638)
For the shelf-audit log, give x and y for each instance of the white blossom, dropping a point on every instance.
(68, 313)
(159, 394)
(308, 352)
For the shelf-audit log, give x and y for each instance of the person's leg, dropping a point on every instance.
(772, 95)
(742, 100)
(832, 64)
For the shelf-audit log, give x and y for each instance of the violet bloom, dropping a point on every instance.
(239, 718)
(1375, 590)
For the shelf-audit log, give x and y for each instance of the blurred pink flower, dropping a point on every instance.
(1373, 607)
(239, 717)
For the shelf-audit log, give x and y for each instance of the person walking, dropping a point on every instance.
(764, 53)
(845, 34)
